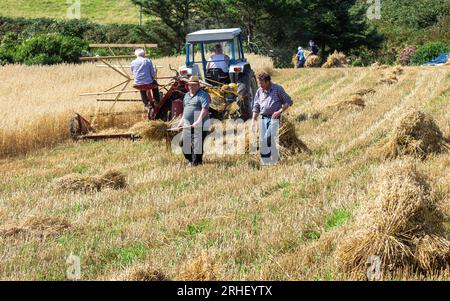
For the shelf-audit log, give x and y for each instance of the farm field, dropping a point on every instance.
(101, 11)
(229, 219)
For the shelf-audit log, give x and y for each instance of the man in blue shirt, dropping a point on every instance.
(194, 122)
(271, 101)
(144, 78)
(301, 57)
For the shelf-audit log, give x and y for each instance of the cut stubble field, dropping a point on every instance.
(229, 219)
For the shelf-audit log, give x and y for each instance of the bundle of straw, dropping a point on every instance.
(289, 143)
(336, 60)
(144, 273)
(402, 224)
(39, 226)
(313, 61)
(364, 92)
(155, 130)
(295, 60)
(86, 184)
(390, 80)
(415, 134)
(355, 100)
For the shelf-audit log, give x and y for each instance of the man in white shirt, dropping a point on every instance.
(219, 60)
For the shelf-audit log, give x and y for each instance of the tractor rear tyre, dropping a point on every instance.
(247, 87)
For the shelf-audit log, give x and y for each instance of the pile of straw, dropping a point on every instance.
(154, 130)
(392, 77)
(77, 183)
(336, 60)
(38, 226)
(401, 224)
(389, 80)
(355, 100)
(151, 130)
(113, 179)
(144, 273)
(313, 61)
(295, 60)
(397, 70)
(364, 92)
(378, 65)
(201, 268)
(289, 143)
(310, 116)
(415, 134)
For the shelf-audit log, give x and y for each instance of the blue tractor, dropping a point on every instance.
(217, 57)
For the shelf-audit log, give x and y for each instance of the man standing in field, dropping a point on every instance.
(194, 122)
(271, 101)
(144, 78)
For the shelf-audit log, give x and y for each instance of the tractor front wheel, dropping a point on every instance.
(247, 87)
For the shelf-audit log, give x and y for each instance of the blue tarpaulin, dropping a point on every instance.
(441, 59)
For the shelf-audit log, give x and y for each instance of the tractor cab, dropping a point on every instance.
(217, 56)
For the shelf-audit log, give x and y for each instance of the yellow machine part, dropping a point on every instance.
(219, 96)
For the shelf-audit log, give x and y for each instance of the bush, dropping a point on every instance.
(8, 48)
(405, 56)
(428, 52)
(50, 49)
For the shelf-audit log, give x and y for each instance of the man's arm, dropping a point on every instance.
(202, 116)
(285, 100)
(152, 70)
(256, 110)
(181, 123)
(132, 68)
(204, 112)
(208, 65)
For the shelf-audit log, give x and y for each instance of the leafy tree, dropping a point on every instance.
(340, 25)
(179, 16)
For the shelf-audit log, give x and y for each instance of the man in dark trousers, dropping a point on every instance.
(194, 122)
(313, 47)
(144, 78)
(271, 101)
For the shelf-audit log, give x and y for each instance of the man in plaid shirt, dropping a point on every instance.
(270, 102)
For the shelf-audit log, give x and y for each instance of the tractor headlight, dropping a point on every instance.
(185, 71)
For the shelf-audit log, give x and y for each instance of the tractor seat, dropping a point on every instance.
(215, 75)
(146, 87)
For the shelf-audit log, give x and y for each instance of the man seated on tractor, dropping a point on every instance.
(144, 74)
(218, 66)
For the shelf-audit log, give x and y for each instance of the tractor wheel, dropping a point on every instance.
(247, 87)
(79, 126)
(165, 113)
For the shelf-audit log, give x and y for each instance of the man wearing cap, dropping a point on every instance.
(194, 122)
(271, 101)
(301, 58)
(144, 78)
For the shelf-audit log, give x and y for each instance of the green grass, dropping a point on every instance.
(337, 218)
(100, 11)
